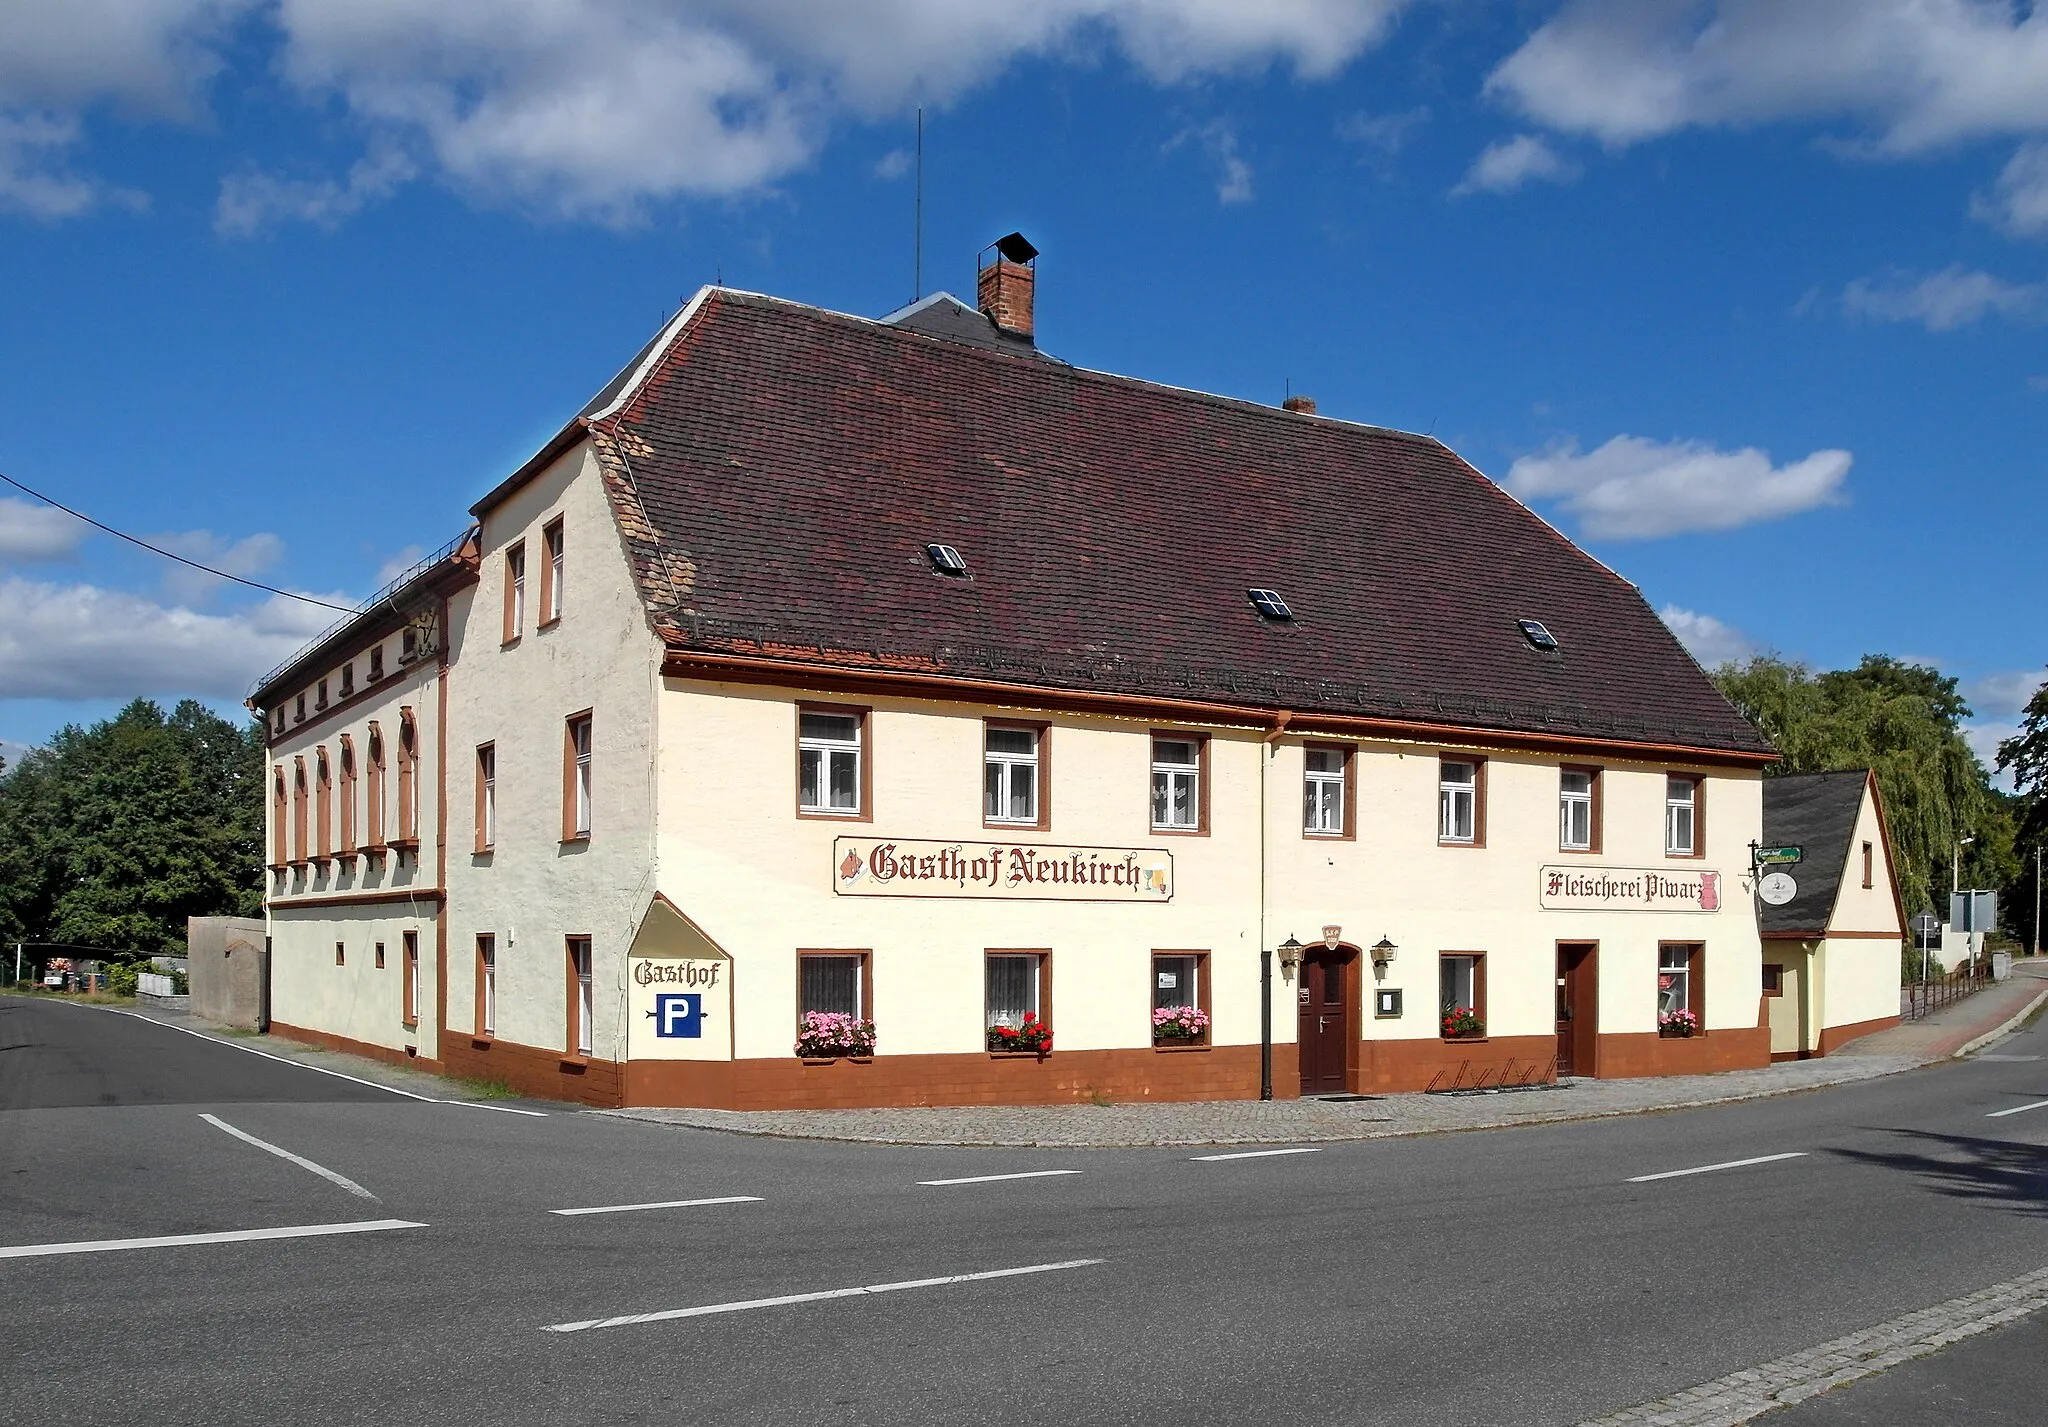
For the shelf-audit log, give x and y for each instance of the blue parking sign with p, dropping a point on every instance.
(679, 1015)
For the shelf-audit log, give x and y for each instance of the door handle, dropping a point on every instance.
(1322, 1023)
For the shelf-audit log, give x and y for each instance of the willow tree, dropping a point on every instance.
(1904, 723)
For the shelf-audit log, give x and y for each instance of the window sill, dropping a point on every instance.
(575, 1064)
(482, 1042)
(411, 1027)
(835, 1059)
(1313, 835)
(1180, 832)
(1464, 1040)
(1578, 852)
(508, 643)
(1459, 842)
(1175, 1047)
(1019, 1054)
(818, 815)
(576, 839)
(547, 624)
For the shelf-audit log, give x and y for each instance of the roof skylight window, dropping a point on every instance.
(1536, 634)
(1269, 604)
(946, 560)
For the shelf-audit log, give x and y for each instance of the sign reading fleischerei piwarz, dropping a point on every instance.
(1630, 889)
(903, 867)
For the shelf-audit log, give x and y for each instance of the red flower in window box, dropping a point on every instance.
(1032, 1036)
(1462, 1023)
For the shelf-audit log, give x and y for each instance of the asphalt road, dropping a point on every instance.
(1512, 1277)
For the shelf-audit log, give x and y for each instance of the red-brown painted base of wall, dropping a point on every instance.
(328, 1041)
(1621, 1057)
(1833, 1038)
(1389, 1067)
(1228, 1072)
(543, 1074)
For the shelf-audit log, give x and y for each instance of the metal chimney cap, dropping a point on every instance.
(1016, 247)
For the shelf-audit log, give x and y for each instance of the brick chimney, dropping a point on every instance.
(1003, 288)
(1306, 405)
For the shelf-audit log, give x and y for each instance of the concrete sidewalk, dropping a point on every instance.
(1966, 1025)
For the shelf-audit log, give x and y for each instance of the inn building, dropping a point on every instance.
(896, 673)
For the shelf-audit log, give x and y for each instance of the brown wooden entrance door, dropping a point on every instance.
(1323, 989)
(1577, 1006)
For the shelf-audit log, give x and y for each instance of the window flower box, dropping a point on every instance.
(830, 1035)
(1679, 1024)
(1031, 1037)
(1462, 1023)
(1179, 1025)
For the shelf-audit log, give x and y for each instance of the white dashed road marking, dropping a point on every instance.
(1710, 1168)
(2001, 1114)
(1254, 1154)
(232, 1236)
(632, 1318)
(992, 1178)
(301, 1161)
(663, 1204)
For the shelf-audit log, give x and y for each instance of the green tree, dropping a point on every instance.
(113, 835)
(1903, 722)
(2025, 756)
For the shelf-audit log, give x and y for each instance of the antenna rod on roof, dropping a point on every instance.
(917, 218)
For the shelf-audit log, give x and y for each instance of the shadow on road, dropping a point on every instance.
(1999, 1172)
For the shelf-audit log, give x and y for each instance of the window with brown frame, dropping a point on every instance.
(580, 1002)
(348, 678)
(486, 984)
(1018, 984)
(1869, 865)
(838, 983)
(1461, 986)
(576, 785)
(348, 796)
(320, 695)
(1685, 815)
(1578, 808)
(376, 662)
(299, 709)
(515, 591)
(280, 819)
(1774, 978)
(486, 796)
(380, 956)
(1015, 762)
(339, 956)
(1461, 800)
(408, 777)
(1326, 790)
(323, 805)
(1180, 783)
(409, 993)
(1681, 979)
(833, 770)
(1180, 983)
(373, 791)
(551, 573)
(299, 811)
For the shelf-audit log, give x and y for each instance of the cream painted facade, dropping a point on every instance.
(1849, 978)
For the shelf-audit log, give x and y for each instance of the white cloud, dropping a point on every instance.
(895, 164)
(34, 179)
(1505, 166)
(1707, 638)
(153, 57)
(2039, 383)
(1381, 137)
(11, 754)
(248, 557)
(252, 202)
(1919, 73)
(1218, 140)
(85, 642)
(2019, 204)
(594, 107)
(1633, 488)
(2003, 695)
(32, 532)
(1941, 302)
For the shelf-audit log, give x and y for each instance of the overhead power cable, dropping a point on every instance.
(172, 555)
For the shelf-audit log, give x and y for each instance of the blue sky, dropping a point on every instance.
(1748, 298)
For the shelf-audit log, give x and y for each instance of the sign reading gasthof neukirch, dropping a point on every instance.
(1629, 889)
(906, 867)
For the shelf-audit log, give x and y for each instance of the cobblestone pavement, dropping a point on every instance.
(1748, 1394)
(1240, 1122)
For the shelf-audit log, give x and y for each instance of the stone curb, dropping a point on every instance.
(1741, 1396)
(2010, 1025)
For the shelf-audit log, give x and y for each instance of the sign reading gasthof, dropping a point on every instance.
(904, 867)
(1629, 889)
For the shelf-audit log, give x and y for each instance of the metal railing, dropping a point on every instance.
(1919, 998)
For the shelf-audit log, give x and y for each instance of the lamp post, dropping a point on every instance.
(1290, 955)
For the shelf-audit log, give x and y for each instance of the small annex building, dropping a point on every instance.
(894, 670)
(1831, 953)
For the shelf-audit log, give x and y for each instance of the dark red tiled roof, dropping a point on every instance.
(793, 464)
